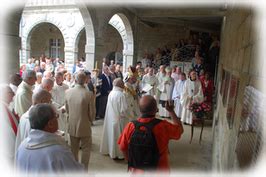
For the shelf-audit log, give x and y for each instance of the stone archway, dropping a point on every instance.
(78, 45)
(70, 20)
(121, 23)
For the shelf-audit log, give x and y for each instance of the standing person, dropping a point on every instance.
(165, 88)
(44, 151)
(14, 82)
(79, 109)
(192, 93)
(177, 92)
(163, 131)
(176, 74)
(9, 123)
(97, 83)
(150, 80)
(207, 88)
(58, 95)
(114, 121)
(24, 93)
(106, 88)
(131, 94)
(112, 72)
(118, 73)
(41, 96)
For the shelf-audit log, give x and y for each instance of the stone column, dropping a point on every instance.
(69, 58)
(90, 57)
(127, 59)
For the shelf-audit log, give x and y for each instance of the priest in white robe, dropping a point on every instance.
(192, 93)
(23, 96)
(165, 88)
(43, 151)
(58, 95)
(150, 82)
(8, 126)
(114, 121)
(131, 95)
(40, 96)
(177, 92)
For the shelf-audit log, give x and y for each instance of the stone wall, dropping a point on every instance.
(238, 56)
(150, 38)
(40, 40)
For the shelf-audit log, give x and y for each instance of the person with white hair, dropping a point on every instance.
(24, 93)
(38, 81)
(43, 151)
(9, 123)
(41, 96)
(47, 84)
(79, 107)
(165, 89)
(114, 121)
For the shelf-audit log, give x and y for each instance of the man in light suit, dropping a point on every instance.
(79, 107)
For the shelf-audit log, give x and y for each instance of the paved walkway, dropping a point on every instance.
(184, 157)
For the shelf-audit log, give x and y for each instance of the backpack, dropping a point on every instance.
(143, 152)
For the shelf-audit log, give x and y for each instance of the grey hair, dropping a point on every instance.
(80, 78)
(46, 82)
(40, 114)
(117, 82)
(28, 74)
(40, 95)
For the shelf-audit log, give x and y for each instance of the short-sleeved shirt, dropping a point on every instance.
(163, 132)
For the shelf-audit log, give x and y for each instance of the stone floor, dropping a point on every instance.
(184, 157)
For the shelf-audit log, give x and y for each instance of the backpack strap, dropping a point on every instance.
(148, 125)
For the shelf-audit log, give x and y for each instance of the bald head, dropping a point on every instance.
(41, 96)
(47, 84)
(118, 83)
(148, 105)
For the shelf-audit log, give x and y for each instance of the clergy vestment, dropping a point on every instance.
(23, 98)
(192, 92)
(58, 96)
(165, 88)
(114, 122)
(44, 152)
(133, 111)
(151, 81)
(178, 90)
(23, 129)
(8, 130)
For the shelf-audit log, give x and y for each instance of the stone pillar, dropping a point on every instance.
(69, 58)
(127, 60)
(90, 57)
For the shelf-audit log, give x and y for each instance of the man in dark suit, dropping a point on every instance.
(107, 86)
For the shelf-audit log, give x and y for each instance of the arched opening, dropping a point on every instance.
(113, 45)
(80, 45)
(46, 39)
(121, 23)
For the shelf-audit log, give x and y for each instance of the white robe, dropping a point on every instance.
(165, 87)
(23, 98)
(149, 80)
(133, 111)
(23, 129)
(177, 92)
(114, 123)
(7, 135)
(58, 96)
(44, 152)
(191, 89)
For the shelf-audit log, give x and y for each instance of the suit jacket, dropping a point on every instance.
(79, 106)
(106, 87)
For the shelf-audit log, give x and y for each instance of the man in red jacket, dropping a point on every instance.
(163, 131)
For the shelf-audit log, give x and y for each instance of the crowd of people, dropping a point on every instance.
(47, 107)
